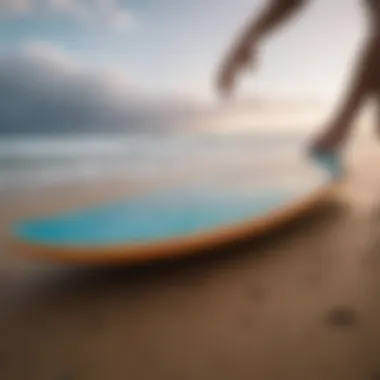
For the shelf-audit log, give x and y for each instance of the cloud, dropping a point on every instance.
(110, 12)
(107, 12)
(44, 89)
(15, 6)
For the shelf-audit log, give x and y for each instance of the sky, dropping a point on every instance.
(148, 64)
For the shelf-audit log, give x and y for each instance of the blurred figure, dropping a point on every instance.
(365, 81)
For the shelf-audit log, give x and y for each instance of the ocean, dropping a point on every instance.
(35, 161)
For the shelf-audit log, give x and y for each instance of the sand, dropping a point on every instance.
(304, 304)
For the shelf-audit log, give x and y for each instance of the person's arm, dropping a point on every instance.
(241, 55)
(273, 16)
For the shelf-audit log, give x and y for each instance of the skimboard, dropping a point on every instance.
(178, 221)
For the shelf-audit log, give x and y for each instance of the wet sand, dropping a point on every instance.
(302, 304)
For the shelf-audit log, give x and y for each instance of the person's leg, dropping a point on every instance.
(338, 130)
(376, 103)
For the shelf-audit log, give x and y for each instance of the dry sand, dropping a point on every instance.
(302, 305)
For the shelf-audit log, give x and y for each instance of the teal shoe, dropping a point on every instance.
(329, 160)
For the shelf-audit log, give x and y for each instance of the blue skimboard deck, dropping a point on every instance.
(152, 218)
(168, 215)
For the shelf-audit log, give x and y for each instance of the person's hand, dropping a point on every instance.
(241, 57)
